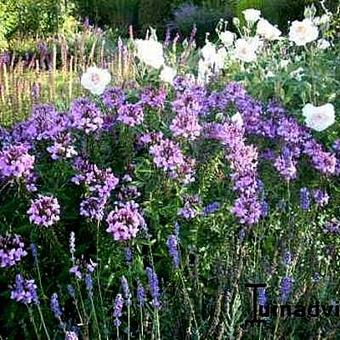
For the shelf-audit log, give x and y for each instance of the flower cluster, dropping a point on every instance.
(86, 116)
(44, 211)
(243, 163)
(131, 114)
(24, 291)
(15, 161)
(153, 287)
(125, 221)
(12, 250)
(100, 184)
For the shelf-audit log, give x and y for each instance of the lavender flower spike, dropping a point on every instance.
(154, 287)
(117, 309)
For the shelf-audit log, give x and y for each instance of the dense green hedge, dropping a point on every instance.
(45, 17)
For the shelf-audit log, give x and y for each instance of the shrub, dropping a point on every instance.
(187, 15)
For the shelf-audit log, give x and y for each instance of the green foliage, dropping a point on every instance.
(154, 13)
(205, 19)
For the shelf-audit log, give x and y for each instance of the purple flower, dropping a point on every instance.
(262, 297)
(86, 116)
(289, 130)
(128, 255)
(321, 197)
(62, 147)
(286, 288)
(193, 101)
(44, 211)
(117, 309)
(323, 161)
(89, 284)
(186, 125)
(153, 98)
(332, 227)
(100, 184)
(76, 271)
(131, 114)
(92, 208)
(286, 165)
(71, 291)
(55, 307)
(70, 335)
(211, 208)
(72, 244)
(172, 244)
(153, 287)
(287, 258)
(126, 290)
(12, 250)
(24, 291)
(140, 295)
(248, 210)
(167, 155)
(15, 161)
(45, 123)
(113, 98)
(243, 163)
(304, 199)
(125, 221)
(191, 207)
(336, 146)
(34, 252)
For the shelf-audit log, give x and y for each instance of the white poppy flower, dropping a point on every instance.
(168, 74)
(252, 15)
(266, 30)
(209, 52)
(303, 32)
(227, 38)
(150, 52)
(323, 44)
(95, 80)
(319, 118)
(245, 49)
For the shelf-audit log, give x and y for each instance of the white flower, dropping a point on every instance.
(251, 15)
(236, 21)
(95, 80)
(168, 74)
(303, 32)
(237, 119)
(227, 38)
(319, 118)
(245, 49)
(213, 58)
(325, 19)
(323, 44)
(209, 52)
(150, 52)
(267, 30)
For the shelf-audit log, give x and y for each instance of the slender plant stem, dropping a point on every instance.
(98, 279)
(43, 322)
(95, 318)
(33, 322)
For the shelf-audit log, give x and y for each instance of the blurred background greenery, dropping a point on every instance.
(24, 18)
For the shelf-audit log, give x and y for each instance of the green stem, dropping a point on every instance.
(33, 322)
(98, 280)
(95, 318)
(43, 322)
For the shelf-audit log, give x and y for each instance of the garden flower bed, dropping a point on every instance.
(146, 210)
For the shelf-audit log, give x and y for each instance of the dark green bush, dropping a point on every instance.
(187, 15)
